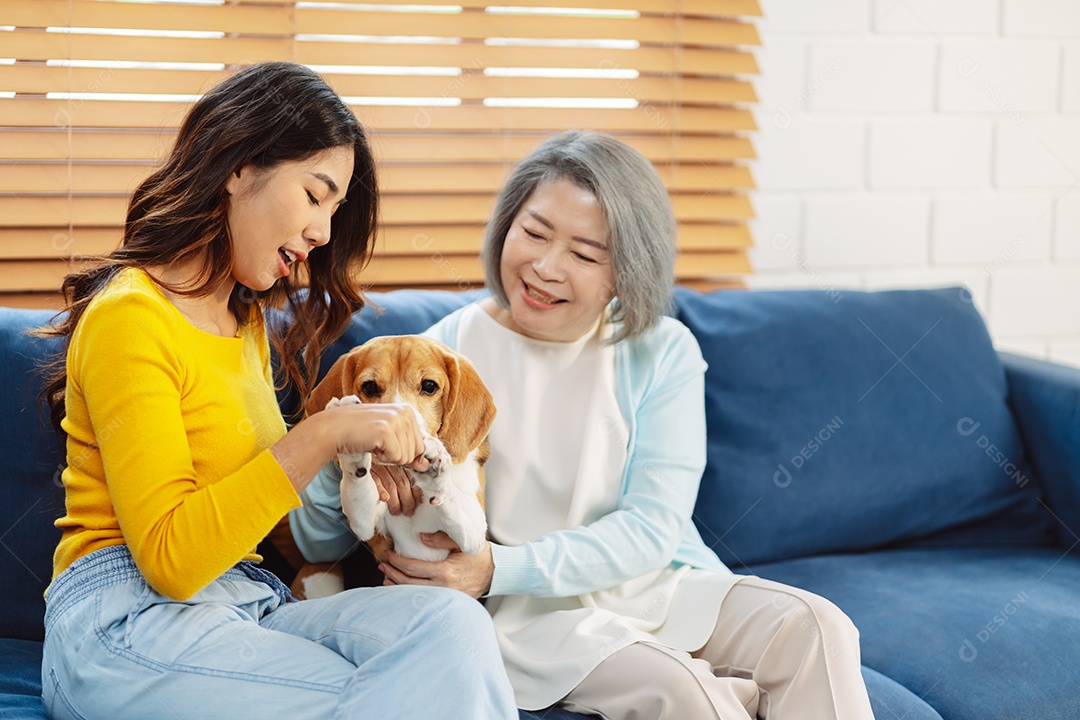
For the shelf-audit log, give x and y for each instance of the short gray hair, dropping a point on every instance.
(641, 224)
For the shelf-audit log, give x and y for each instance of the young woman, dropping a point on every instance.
(605, 598)
(179, 461)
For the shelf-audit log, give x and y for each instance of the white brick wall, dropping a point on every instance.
(997, 76)
(1050, 18)
(889, 75)
(924, 143)
(971, 17)
(929, 153)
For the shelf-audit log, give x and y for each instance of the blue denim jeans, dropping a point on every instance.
(115, 648)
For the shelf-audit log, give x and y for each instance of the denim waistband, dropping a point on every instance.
(114, 565)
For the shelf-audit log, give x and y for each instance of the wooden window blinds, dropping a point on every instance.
(91, 92)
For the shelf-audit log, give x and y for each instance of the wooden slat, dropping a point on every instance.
(40, 243)
(117, 178)
(31, 275)
(475, 56)
(389, 147)
(405, 179)
(46, 211)
(703, 207)
(452, 269)
(34, 301)
(712, 284)
(33, 78)
(37, 178)
(250, 19)
(714, 236)
(480, 25)
(421, 239)
(392, 147)
(703, 265)
(32, 112)
(724, 8)
(430, 239)
(39, 45)
(24, 211)
(58, 144)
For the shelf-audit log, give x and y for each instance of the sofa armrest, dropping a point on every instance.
(1045, 400)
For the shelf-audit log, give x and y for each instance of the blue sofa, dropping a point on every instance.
(871, 447)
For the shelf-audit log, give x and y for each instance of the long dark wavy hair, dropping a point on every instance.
(261, 116)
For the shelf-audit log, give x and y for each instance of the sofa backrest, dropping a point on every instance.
(849, 421)
(33, 497)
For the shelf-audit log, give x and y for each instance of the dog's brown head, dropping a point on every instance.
(440, 383)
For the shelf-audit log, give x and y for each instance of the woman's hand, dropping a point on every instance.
(470, 574)
(389, 431)
(396, 489)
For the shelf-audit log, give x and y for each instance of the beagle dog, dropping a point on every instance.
(455, 412)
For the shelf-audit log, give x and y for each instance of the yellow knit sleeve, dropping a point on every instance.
(183, 531)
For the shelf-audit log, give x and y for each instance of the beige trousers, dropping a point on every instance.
(778, 653)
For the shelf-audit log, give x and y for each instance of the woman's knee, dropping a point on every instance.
(439, 603)
(647, 681)
(816, 617)
(455, 620)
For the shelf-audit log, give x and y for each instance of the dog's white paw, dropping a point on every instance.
(347, 400)
(466, 523)
(356, 466)
(434, 482)
(437, 455)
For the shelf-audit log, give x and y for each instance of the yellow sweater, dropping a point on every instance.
(168, 435)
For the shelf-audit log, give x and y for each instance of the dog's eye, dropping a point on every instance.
(428, 387)
(370, 389)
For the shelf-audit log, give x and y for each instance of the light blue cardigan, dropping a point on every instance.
(661, 381)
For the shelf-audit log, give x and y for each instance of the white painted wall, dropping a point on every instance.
(914, 143)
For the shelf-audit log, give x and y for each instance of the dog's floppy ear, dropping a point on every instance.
(468, 409)
(331, 386)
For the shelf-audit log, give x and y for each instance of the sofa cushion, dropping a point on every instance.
(979, 633)
(33, 497)
(861, 419)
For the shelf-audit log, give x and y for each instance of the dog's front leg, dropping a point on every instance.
(359, 495)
